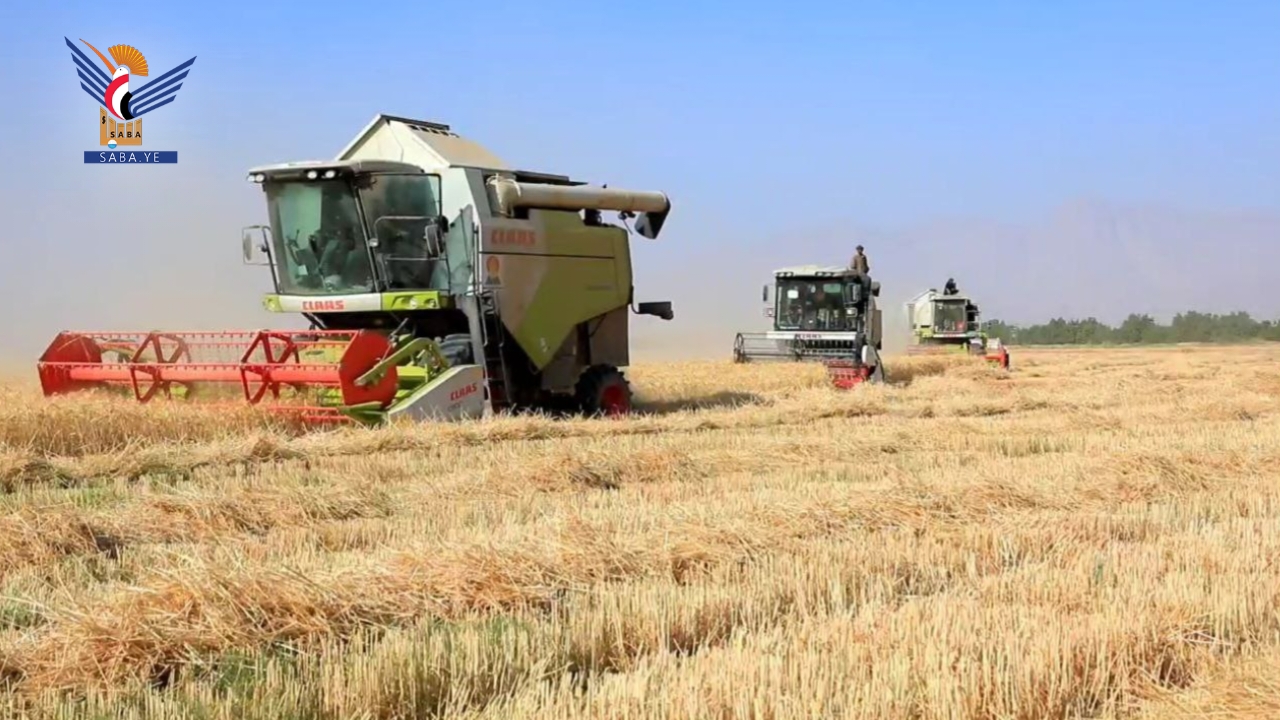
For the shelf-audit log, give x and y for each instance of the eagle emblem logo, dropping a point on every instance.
(122, 107)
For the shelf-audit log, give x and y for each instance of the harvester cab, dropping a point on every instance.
(820, 314)
(438, 282)
(951, 322)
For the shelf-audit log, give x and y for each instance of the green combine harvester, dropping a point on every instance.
(439, 284)
(949, 322)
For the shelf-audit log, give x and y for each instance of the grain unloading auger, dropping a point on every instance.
(439, 284)
(949, 322)
(820, 314)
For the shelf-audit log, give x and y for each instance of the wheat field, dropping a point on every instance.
(1093, 535)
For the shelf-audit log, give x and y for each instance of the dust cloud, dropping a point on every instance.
(130, 248)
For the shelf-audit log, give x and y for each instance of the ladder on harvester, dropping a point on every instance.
(494, 339)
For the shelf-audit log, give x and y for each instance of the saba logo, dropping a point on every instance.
(122, 107)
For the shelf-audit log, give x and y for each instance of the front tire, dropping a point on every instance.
(603, 390)
(456, 349)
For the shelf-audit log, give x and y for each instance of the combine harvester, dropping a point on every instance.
(820, 314)
(439, 284)
(949, 322)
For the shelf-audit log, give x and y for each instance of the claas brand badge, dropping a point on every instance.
(462, 392)
(520, 238)
(323, 305)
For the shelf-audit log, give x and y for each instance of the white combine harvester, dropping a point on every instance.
(820, 314)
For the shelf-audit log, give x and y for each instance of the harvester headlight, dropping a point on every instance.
(330, 174)
(257, 177)
(312, 174)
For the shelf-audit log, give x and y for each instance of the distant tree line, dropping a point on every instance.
(1139, 330)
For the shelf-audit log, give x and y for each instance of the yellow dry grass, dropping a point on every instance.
(1094, 535)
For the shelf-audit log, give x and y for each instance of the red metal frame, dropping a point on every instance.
(847, 374)
(262, 362)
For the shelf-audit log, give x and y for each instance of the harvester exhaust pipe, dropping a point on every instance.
(653, 206)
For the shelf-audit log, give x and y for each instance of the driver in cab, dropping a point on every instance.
(343, 261)
(819, 306)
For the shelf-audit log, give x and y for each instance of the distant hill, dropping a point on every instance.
(1107, 260)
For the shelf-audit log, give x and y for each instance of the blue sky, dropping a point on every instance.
(784, 134)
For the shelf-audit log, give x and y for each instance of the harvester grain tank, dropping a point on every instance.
(820, 314)
(438, 282)
(951, 322)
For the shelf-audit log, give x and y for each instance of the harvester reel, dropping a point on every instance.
(259, 363)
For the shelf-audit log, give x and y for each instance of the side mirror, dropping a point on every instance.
(661, 309)
(764, 294)
(255, 245)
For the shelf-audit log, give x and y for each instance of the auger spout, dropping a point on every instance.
(512, 194)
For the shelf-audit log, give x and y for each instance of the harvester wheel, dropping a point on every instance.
(456, 349)
(603, 390)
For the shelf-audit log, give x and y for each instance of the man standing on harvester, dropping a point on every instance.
(859, 263)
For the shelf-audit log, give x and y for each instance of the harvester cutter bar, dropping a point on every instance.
(938, 349)
(998, 356)
(312, 414)
(754, 347)
(259, 361)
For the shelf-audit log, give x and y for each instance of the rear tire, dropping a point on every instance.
(603, 390)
